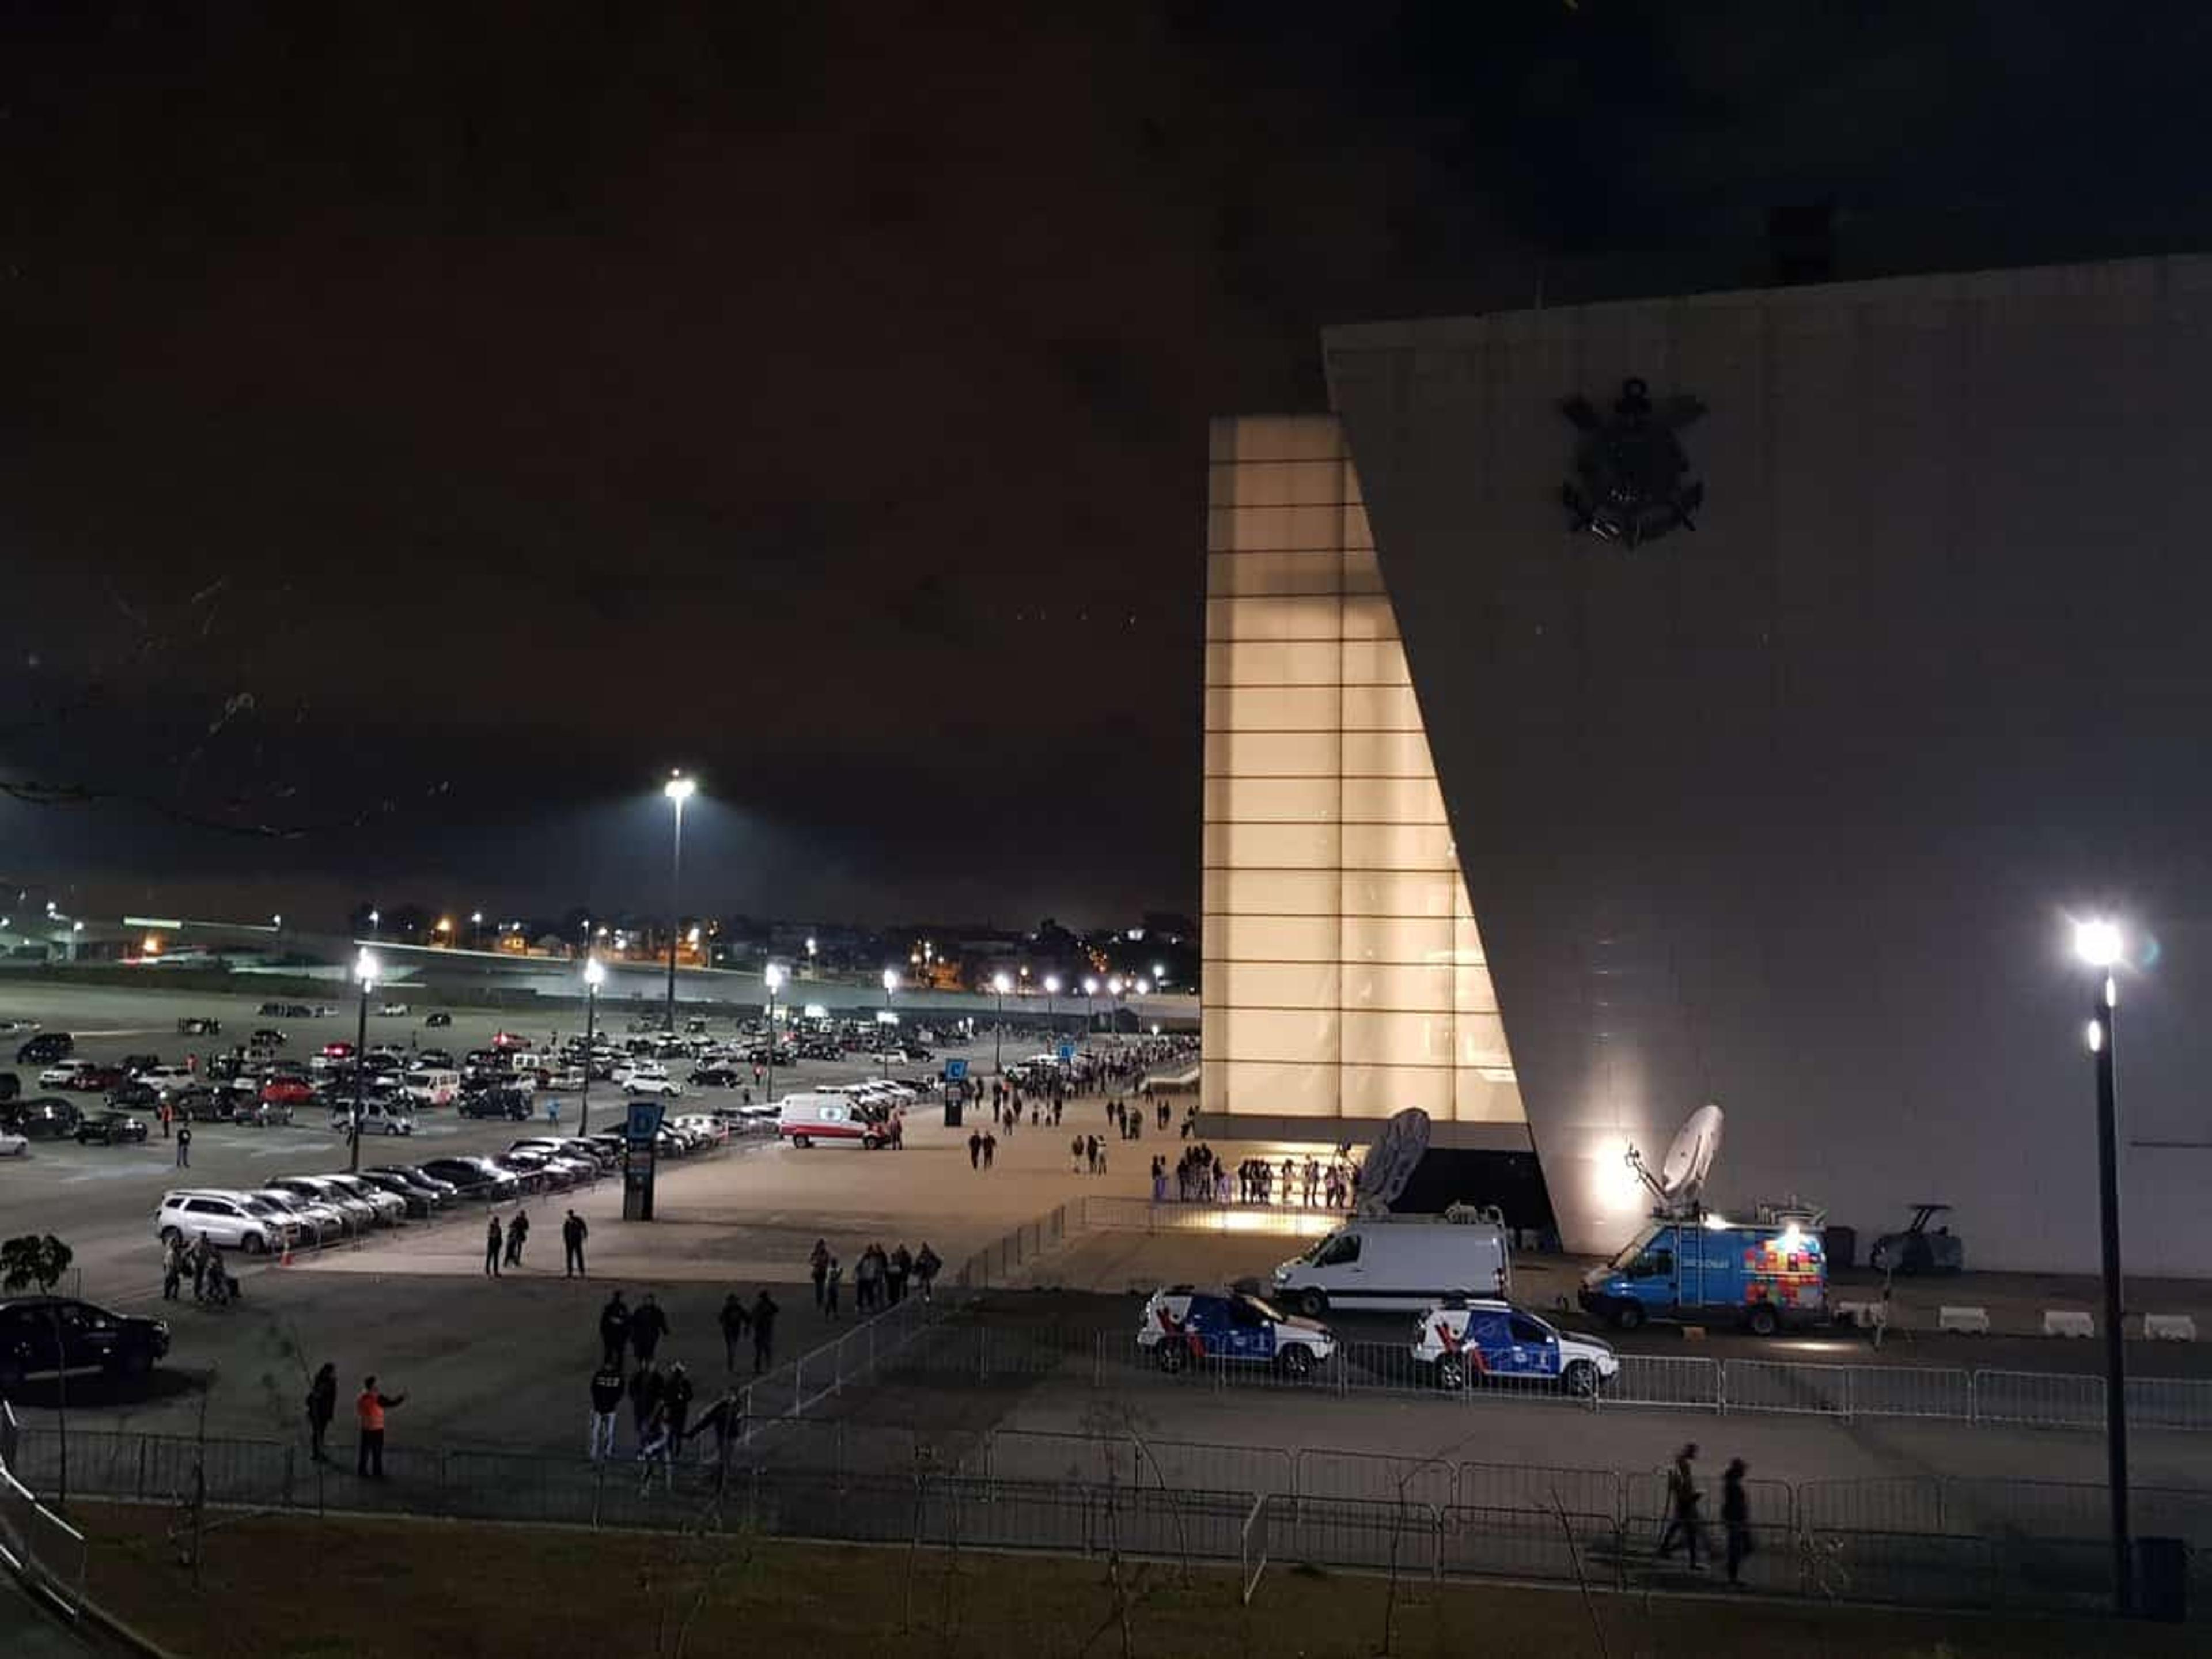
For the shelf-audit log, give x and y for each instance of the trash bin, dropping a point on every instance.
(1841, 1245)
(951, 1113)
(2162, 1579)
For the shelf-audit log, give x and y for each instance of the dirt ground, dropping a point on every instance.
(278, 1588)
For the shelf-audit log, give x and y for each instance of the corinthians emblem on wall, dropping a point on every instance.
(1632, 482)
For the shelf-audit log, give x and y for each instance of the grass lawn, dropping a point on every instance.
(295, 1588)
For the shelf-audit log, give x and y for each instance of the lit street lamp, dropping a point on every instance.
(891, 984)
(1001, 984)
(772, 977)
(364, 969)
(1051, 990)
(375, 919)
(678, 789)
(1089, 990)
(595, 975)
(2101, 947)
(475, 930)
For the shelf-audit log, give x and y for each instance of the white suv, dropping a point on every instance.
(227, 1220)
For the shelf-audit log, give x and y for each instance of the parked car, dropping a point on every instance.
(45, 1049)
(224, 1218)
(42, 1117)
(199, 1026)
(394, 1010)
(359, 1214)
(49, 1335)
(438, 1192)
(319, 1222)
(474, 1177)
(1470, 1339)
(267, 1036)
(111, 1129)
(390, 1207)
(287, 1092)
(496, 1102)
(418, 1201)
(10, 1086)
(63, 1074)
(440, 1018)
(14, 1144)
(1182, 1327)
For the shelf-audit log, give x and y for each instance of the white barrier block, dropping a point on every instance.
(1973, 1321)
(2169, 1327)
(1864, 1316)
(2068, 1321)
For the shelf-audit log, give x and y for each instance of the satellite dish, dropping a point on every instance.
(1682, 1172)
(1397, 1151)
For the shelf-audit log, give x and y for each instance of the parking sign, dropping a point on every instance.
(956, 1070)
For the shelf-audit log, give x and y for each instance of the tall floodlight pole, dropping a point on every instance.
(678, 789)
(595, 975)
(2099, 946)
(364, 969)
(882, 1047)
(1113, 988)
(1000, 984)
(772, 978)
(1051, 990)
(1089, 1020)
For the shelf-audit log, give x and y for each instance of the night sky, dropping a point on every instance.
(424, 425)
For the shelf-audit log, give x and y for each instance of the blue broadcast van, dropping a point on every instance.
(1763, 1275)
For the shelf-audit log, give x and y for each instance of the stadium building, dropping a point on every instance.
(1614, 708)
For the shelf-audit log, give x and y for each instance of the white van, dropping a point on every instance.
(431, 1087)
(836, 1119)
(1392, 1262)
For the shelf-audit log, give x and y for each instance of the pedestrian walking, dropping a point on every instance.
(368, 1410)
(201, 1254)
(1682, 1500)
(172, 1269)
(574, 1232)
(655, 1446)
(645, 1390)
(818, 1265)
(164, 1113)
(975, 1149)
(895, 1274)
(1075, 1156)
(990, 1148)
(646, 1326)
(614, 1329)
(676, 1397)
(836, 1277)
(726, 1418)
(607, 1401)
(926, 1262)
(184, 1146)
(733, 1320)
(491, 1247)
(764, 1312)
(322, 1407)
(518, 1234)
(1735, 1516)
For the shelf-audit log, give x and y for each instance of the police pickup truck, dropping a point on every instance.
(1182, 1327)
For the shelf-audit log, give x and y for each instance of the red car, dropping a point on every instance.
(337, 1051)
(100, 1078)
(509, 1040)
(285, 1092)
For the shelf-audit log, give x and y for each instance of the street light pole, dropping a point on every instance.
(772, 976)
(595, 975)
(678, 789)
(364, 969)
(1001, 985)
(2100, 946)
(1051, 990)
(891, 984)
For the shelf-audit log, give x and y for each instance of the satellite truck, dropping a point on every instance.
(1694, 1264)
(1383, 1260)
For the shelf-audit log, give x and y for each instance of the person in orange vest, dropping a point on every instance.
(369, 1409)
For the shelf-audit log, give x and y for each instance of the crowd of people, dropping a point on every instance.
(202, 1263)
(1199, 1177)
(661, 1398)
(880, 1277)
